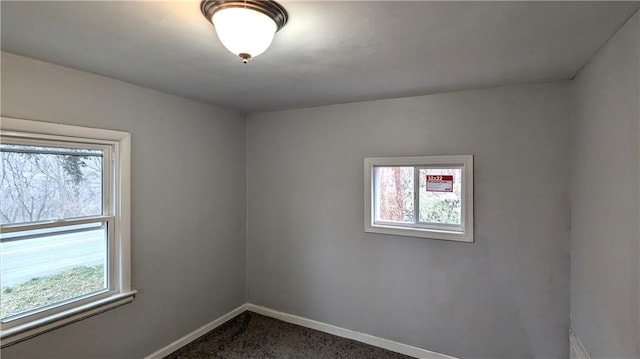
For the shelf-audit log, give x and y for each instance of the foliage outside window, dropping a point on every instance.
(426, 196)
(64, 225)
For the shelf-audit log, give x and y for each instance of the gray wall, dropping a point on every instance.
(188, 200)
(504, 296)
(605, 199)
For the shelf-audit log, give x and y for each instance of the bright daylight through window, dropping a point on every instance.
(426, 196)
(64, 239)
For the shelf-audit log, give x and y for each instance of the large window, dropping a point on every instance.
(64, 225)
(426, 196)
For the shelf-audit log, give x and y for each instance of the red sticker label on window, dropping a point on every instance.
(440, 183)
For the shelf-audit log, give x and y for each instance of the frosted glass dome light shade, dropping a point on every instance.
(245, 27)
(244, 31)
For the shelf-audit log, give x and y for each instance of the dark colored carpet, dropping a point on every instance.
(251, 335)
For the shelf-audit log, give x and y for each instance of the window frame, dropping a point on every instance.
(462, 233)
(116, 208)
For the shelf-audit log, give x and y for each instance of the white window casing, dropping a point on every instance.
(462, 232)
(116, 214)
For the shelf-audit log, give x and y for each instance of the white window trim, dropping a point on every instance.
(123, 293)
(464, 161)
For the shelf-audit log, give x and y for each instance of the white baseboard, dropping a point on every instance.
(577, 350)
(350, 334)
(196, 334)
(308, 323)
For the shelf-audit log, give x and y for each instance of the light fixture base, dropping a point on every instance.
(268, 7)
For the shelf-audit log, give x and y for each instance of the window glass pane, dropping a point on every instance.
(46, 183)
(394, 194)
(48, 266)
(441, 195)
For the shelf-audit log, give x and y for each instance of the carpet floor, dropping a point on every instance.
(251, 335)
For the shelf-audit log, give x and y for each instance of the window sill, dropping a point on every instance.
(25, 331)
(421, 233)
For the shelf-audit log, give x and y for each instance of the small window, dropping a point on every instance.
(64, 225)
(425, 196)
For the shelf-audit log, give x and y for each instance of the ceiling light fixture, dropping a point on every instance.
(246, 28)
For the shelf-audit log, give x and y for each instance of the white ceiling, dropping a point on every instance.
(329, 52)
